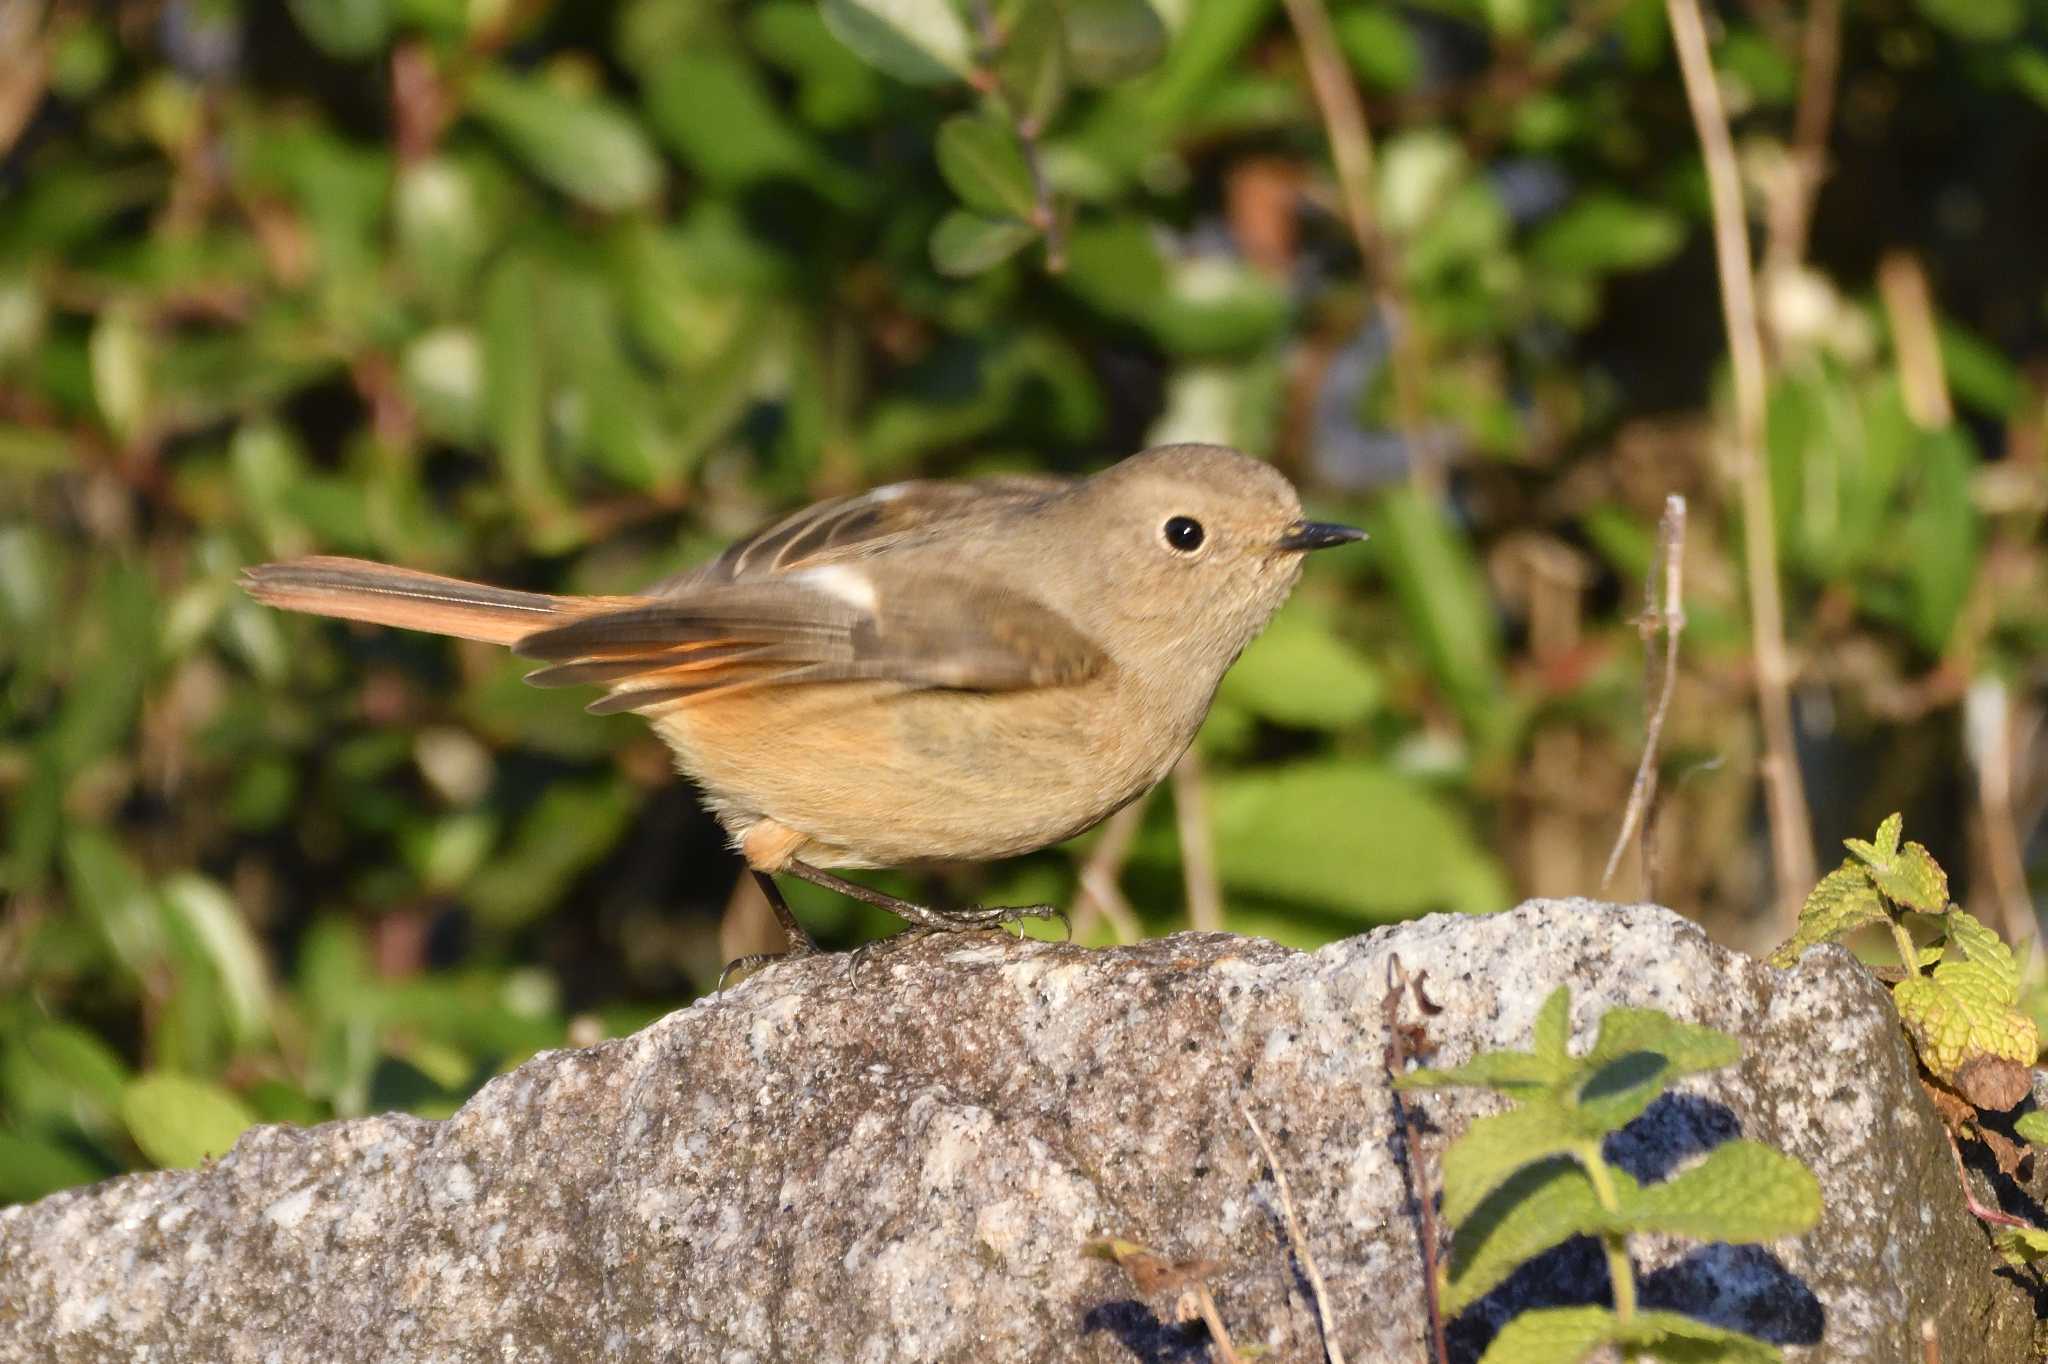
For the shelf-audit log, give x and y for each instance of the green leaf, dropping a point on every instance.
(1445, 603)
(347, 29)
(1033, 62)
(1302, 674)
(1909, 875)
(2022, 1246)
(1976, 20)
(1352, 838)
(1742, 1192)
(1113, 40)
(1687, 1048)
(718, 116)
(924, 42)
(1538, 1207)
(1845, 900)
(1601, 233)
(1551, 1335)
(179, 1120)
(109, 891)
(1957, 1015)
(1507, 1071)
(1553, 1032)
(1494, 1148)
(60, 1073)
(587, 146)
(966, 243)
(121, 371)
(239, 966)
(984, 163)
(1381, 46)
(1683, 1340)
(2033, 1127)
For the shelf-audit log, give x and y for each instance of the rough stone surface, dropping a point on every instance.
(899, 1158)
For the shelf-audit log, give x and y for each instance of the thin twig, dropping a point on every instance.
(1791, 208)
(1930, 1342)
(1995, 1216)
(1351, 150)
(1197, 845)
(1205, 1303)
(1989, 740)
(1100, 894)
(1331, 1350)
(1784, 792)
(1045, 211)
(1668, 617)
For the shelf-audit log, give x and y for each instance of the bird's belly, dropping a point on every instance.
(876, 775)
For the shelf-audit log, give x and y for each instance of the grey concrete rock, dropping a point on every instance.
(899, 1159)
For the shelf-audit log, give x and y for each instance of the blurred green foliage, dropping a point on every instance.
(564, 296)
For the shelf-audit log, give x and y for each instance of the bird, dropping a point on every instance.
(933, 670)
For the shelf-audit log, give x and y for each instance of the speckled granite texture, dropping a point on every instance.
(898, 1159)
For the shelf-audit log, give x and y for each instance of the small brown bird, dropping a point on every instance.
(928, 671)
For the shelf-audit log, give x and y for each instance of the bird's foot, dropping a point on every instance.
(754, 961)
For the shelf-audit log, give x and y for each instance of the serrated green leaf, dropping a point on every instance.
(1743, 1191)
(1982, 948)
(1845, 900)
(1885, 846)
(1538, 1207)
(984, 163)
(1508, 1071)
(2022, 1246)
(1552, 1335)
(1494, 1148)
(1909, 874)
(966, 243)
(2033, 1127)
(1957, 1015)
(1553, 1030)
(1688, 1048)
(179, 1120)
(924, 42)
(1685, 1340)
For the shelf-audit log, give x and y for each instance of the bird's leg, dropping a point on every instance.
(923, 916)
(800, 942)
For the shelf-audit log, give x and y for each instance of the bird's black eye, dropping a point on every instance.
(1184, 533)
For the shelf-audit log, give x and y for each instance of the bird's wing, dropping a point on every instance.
(873, 618)
(863, 524)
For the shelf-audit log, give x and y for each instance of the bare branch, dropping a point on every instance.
(1667, 617)
(1197, 844)
(1100, 893)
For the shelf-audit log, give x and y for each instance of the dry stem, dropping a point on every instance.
(1100, 893)
(1331, 1350)
(1784, 792)
(1669, 617)
(1791, 209)
(1351, 150)
(1197, 844)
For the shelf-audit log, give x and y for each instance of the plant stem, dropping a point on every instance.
(1909, 954)
(1045, 214)
(1620, 1273)
(1351, 151)
(1784, 792)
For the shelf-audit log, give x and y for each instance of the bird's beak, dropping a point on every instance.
(1306, 535)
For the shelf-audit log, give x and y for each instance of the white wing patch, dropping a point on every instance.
(848, 584)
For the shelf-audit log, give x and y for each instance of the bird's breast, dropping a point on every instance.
(876, 774)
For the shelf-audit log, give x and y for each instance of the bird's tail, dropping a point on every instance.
(356, 589)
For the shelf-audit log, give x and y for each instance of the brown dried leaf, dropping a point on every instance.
(1993, 1082)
